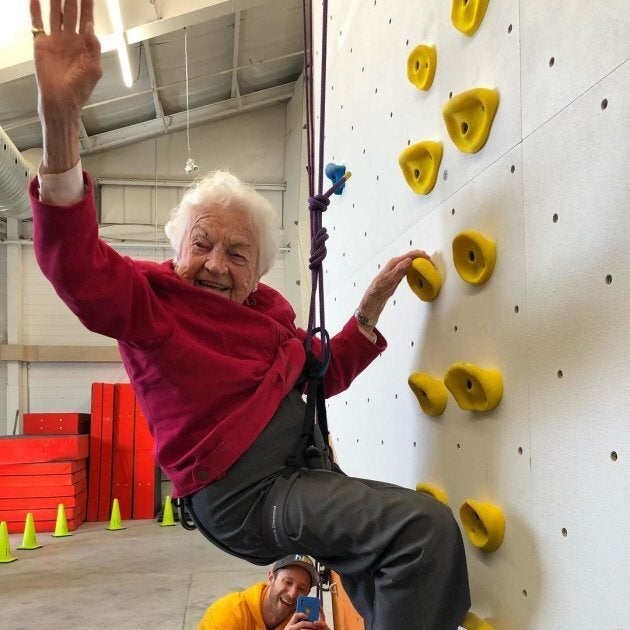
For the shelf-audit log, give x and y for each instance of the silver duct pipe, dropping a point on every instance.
(15, 174)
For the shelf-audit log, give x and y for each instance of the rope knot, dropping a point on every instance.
(318, 203)
(318, 248)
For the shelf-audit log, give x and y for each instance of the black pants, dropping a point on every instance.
(399, 553)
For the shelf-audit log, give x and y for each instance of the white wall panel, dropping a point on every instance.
(586, 40)
(554, 454)
(576, 169)
(66, 387)
(3, 291)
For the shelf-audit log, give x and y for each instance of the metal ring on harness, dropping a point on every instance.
(183, 516)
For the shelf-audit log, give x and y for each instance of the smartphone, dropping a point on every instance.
(309, 606)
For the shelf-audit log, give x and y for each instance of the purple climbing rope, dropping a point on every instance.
(317, 203)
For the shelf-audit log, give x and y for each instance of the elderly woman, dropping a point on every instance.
(214, 357)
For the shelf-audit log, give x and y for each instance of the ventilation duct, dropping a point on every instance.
(15, 175)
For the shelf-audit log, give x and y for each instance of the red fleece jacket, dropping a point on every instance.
(209, 373)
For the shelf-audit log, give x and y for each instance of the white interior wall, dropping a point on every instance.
(555, 454)
(3, 335)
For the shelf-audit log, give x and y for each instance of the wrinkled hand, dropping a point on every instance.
(67, 61)
(299, 622)
(386, 282)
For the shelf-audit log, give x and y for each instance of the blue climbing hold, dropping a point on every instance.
(335, 172)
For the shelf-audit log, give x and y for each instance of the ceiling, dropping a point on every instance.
(242, 55)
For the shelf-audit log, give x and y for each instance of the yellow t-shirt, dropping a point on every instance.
(238, 611)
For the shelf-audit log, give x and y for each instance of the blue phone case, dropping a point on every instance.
(309, 606)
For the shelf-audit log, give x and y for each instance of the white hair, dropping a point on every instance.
(224, 190)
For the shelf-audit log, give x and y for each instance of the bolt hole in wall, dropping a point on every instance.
(516, 309)
(564, 532)
(520, 450)
(604, 103)
(613, 456)
(560, 373)
(555, 218)
(608, 279)
(552, 61)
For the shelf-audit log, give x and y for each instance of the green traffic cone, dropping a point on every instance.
(61, 526)
(167, 516)
(30, 537)
(115, 522)
(5, 546)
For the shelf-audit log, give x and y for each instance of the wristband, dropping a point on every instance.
(363, 320)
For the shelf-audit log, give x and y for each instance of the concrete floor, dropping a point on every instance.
(144, 576)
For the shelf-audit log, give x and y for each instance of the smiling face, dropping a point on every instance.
(220, 253)
(285, 586)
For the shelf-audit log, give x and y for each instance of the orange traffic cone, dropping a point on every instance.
(61, 526)
(29, 541)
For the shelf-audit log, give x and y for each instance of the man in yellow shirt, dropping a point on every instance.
(268, 605)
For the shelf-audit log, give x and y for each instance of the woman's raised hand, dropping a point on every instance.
(67, 67)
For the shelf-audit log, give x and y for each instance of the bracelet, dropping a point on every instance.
(363, 320)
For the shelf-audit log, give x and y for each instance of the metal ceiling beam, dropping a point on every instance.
(178, 14)
(29, 121)
(236, 92)
(215, 111)
(157, 104)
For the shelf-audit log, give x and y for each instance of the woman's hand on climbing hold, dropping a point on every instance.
(385, 284)
(67, 67)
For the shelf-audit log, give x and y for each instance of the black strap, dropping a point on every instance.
(312, 375)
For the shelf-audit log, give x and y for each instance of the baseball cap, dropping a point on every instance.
(298, 560)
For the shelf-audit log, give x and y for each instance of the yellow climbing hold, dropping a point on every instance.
(474, 388)
(424, 279)
(430, 392)
(473, 622)
(421, 65)
(437, 493)
(420, 164)
(468, 117)
(474, 256)
(483, 523)
(467, 15)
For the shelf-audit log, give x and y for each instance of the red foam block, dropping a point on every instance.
(39, 481)
(31, 504)
(24, 492)
(46, 524)
(45, 468)
(41, 514)
(16, 449)
(56, 423)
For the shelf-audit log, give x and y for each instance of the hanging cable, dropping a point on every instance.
(191, 165)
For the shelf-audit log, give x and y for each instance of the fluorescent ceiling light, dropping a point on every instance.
(121, 42)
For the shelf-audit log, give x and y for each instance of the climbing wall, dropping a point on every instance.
(550, 188)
